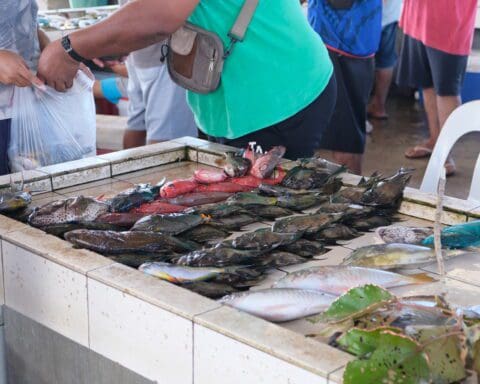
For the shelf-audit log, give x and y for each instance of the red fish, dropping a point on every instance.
(177, 187)
(158, 207)
(126, 220)
(200, 198)
(254, 182)
(208, 176)
(266, 163)
(226, 186)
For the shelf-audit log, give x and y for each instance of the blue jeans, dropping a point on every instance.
(4, 141)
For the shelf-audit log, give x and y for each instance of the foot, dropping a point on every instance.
(420, 151)
(377, 112)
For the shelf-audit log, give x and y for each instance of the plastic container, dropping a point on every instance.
(87, 3)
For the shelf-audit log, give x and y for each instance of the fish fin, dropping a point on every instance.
(421, 278)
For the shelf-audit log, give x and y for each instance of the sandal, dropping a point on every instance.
(418, 152)
(371, 116)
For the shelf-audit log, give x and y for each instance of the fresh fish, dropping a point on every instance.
(22, 214)
(76, 210)
(350, 211)
(301, 177)
(391, 256)
(60, 229)
(216, 211)
(336, 232)
(218, 257)
(236, 165)
(209, 289)
(350, 195)
(158, 207)
(12, 201)
(278, 190)
(304, 248)
(458, 236)
(332, 186)
(134, 260)
(309, 224)
(178, 274)
(321, 164)
(278, 259)
(268, 212)
(176, 188)
(205, 233)
(208, 176)
(241, 278)
(389, 191)
(300, 202)
(225, 186)
(200, 198)
(134, 197)
(264, 239)
(366, 224)
(234, 222)
(278, 305)
(266, 163)
(123, 220)
(251, 198)
(405, 235)
(254, 182)
(338, 279)
(111, 242)
(172, 224)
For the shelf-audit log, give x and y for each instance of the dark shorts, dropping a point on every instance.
(386, 56)
(346, 131)
(425, 67)
(301, 133)
(4, 140)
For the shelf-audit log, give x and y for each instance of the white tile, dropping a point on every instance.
(46, 292)
(220, 359)
(142, 337)
(147, 162)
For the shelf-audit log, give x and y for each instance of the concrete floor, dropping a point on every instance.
(406, 127)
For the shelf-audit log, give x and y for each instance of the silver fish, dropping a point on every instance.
(404, 235)
(280, 304)
(178, 274)
(391, 256)
(338, 279)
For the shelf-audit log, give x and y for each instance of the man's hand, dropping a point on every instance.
(14, 71)
(56, 67)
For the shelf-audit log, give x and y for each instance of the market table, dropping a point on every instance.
(73, 316)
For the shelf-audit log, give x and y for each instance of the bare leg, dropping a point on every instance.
(446, 105)
(132, 139)
(353, 161)
(431, 109)
(383, 80)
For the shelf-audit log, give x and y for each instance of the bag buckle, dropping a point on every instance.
(231, 45)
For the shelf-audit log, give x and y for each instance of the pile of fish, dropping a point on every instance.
(180, 230)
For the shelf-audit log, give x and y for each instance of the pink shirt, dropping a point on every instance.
(446, 25)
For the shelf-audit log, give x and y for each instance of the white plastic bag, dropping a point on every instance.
(49, 127)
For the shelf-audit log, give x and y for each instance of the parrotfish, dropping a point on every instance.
(266, 163)
(458, 236)
(177, 187)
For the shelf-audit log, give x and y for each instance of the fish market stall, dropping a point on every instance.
(74, 316)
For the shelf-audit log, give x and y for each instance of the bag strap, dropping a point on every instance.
(239, 29)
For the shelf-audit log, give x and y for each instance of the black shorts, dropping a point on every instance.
(425, 67)
(386, 56)
(4, 141)
(346, 131)
(301, 133)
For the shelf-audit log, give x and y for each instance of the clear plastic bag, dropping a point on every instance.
(49, 127)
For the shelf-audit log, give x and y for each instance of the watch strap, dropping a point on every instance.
(67, 46)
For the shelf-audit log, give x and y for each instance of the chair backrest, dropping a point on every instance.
(463, 120)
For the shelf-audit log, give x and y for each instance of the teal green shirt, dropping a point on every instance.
(280, 68)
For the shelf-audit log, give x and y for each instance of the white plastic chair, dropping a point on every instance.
(463, 120)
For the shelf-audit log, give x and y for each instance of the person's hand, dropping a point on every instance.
(56, 67)
(117, 66)
(14, 71)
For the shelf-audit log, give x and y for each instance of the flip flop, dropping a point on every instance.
(418, 152)
(377, 117)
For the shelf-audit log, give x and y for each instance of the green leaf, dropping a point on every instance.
(443, 350)
(361, 342)
(397, 359)
(356, 302)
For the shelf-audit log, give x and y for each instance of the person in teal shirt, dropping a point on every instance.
(277, 86)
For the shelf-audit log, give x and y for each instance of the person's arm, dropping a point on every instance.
(133, 139)
(136, 25)
(43, 39)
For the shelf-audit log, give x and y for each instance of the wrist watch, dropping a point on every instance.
(67, 45)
